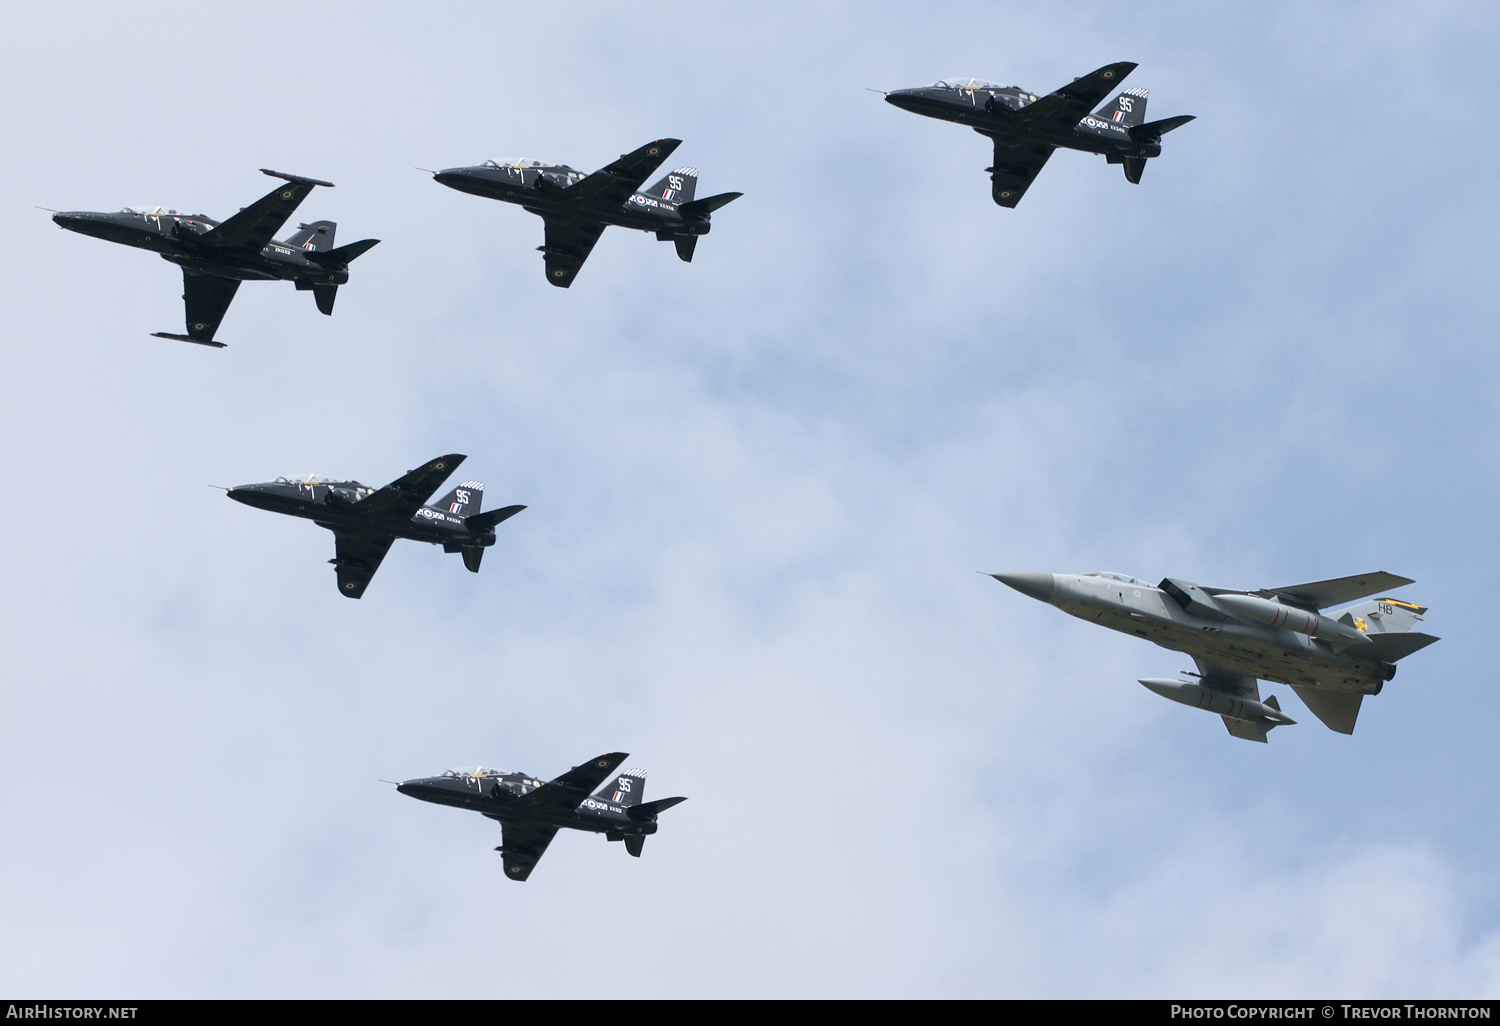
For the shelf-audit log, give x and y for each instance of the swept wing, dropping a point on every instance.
(258, 223)
(1015, 168)
(567, 791)
(616, 182)
(1322, 594)
(1070, 104)
(522, 845)
(357, 557)
(400, 500)
(569, 243)
(207, 298)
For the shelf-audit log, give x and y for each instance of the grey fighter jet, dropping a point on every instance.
(530, 813)
(576, 208)
(1240, 637)
(1026, 128)
(215, 256)
(366, 521)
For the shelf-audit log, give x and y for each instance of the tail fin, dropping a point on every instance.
(1128, 109)
(325, 295)
(464, 500)
(625, 789)
(704, 207)
(675, 186)
(317, 236)
(344, 254)
(1382, 616)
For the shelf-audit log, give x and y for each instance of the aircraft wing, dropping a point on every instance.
(357, 557)
(400, 500)
(569, 244)
(522, 845)
(207, 297)
(1322, 594)
(564, 793)
(615, 182)
(258, 223)
(1015, 168)
(1070, 104)
(1238, 685)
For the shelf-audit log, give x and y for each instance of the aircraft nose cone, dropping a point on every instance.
(903, 98)
(1033, 585)
(68, 219)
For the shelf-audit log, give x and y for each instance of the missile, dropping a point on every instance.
(1274, 614)
(1268, 714)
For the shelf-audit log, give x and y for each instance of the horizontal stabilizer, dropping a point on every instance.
(1391, 647)
(487, 521)
(344, 254)
(1337, 709)
(188, 338)
(649, 810)
(295, 178)
(1154, 130)
(707, 205)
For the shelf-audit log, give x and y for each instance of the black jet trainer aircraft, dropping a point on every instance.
(531, 813)
(576, 208)
(216, 256)
(1026, 128)
(365, 521)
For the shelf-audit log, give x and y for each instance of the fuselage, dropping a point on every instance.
(335, 505)
(1192, 625)
(498, 794)
(179, 238)
(994, 110)
(543, 190)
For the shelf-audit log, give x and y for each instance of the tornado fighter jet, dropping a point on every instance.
(1026, 128)
(215, 256)
(365, 521)
(576, 208)
(530, 813)
(1237, 638)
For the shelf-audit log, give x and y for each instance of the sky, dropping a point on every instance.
(759, 487)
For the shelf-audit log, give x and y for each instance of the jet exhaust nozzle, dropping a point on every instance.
(1213, 701)
(1274, 614)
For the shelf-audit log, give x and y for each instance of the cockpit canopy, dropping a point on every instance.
(965, 83)
(522, 164)
(314, 481)
(1122, 578)
(145, 211)
(475, 771)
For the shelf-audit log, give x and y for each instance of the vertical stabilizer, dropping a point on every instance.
(676, 186)
(317, 236)
(625, 789)
(1126, 110)
(463, 500)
